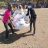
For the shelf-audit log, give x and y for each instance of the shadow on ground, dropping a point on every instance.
(12, 37)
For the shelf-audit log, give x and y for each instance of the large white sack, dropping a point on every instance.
(19, 22)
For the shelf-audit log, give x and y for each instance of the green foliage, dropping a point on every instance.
(2, 4)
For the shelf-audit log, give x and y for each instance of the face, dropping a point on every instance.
(9, 6)
(14, 8)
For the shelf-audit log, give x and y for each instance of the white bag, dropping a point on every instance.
(19, 21)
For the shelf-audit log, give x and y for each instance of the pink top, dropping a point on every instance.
(6, 16)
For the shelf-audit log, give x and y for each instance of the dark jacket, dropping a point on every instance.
(32, 13)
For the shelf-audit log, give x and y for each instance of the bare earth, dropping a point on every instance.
(22, 39)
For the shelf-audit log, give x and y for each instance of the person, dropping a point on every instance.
(32, 17)
(6, 21)
(19, 19)
(13, 8)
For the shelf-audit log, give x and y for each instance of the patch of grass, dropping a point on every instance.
(1, 25)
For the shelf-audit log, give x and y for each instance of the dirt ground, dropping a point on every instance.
(23, 39)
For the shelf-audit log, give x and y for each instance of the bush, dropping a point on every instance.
(2, 4)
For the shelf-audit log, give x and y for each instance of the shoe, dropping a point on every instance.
(33, 34)
(13, 33)
(29, 31)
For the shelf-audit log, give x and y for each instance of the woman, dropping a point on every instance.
(6, 20)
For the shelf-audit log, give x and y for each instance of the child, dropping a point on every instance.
(6, 20)
(32, 17)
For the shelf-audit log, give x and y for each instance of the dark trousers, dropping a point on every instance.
(7, 31)
(32, 21)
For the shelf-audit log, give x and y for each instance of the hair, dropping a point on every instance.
(9, 7)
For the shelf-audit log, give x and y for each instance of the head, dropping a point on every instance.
(29, 3)
(9, 7)
(14, 7)
(29, 6)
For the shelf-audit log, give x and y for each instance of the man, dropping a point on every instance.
(32, 17)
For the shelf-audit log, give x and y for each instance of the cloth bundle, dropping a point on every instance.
(20, 21)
